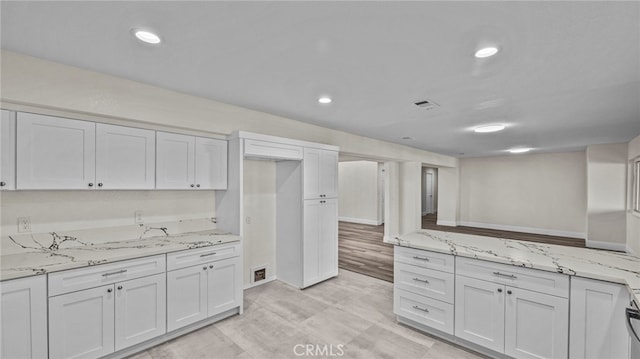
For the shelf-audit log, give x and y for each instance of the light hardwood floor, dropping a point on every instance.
(352, 310)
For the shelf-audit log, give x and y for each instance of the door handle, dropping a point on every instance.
(632, 314)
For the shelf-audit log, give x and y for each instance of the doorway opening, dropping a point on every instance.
(361, 218)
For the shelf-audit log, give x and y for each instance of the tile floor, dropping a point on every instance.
(350, 315)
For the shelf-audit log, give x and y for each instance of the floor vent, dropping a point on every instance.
(258, 274)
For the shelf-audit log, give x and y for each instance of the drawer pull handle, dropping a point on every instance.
(505, 275)
(420, 308)
(421, 280)
(208, 254)
(421, 258)
(112, 273)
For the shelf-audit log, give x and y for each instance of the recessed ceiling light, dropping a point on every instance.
(489, 128)
(486, 52)
(146, 36)
(324, 100)
(519, 150)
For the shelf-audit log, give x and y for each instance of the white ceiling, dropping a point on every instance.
(568, 74)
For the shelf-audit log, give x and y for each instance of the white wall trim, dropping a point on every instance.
(446, 223)
(269, 279)
(549, 232)
(630, 251)
(620, 247)
(360, 220)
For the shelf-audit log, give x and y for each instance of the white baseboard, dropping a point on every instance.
(446, 223)
(501, 227)
(620, 247)
(267, 280)
(630, 251)
(359, 220)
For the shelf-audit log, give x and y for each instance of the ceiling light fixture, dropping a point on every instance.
(489, 128)
(486, 52)
(520, 150)
(146, 36)
(325, 100)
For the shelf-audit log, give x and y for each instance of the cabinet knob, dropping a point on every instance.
(198, 185)
(499, 290)
(3, 183)
(109, 290)
(204, 268)
(119, 287)
(211, 267)
(509, 292)
(100, 184)
(193, 185)
(90, 184)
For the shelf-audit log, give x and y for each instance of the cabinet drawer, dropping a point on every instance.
(83, 278)
(430, 283)
(426, 311)
(425, 259)
(177, 260)
(532, 279)
(254, 148)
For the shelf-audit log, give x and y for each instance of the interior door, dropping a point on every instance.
(429, 192)
(125, 157)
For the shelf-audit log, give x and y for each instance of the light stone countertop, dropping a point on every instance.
(25, 255)
(582, 262)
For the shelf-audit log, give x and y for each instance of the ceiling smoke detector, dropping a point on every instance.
(426, 104)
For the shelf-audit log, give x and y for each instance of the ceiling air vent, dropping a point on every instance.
(426, 104)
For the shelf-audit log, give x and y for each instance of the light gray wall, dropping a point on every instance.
(358, 192)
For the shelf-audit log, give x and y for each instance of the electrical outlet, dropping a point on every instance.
(24, 224)
(138, 217)
(247, 220)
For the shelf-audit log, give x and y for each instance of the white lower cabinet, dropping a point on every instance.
(23, 318)
(479, 312)
(517, 322)
(95, 322)
(536, 325)
(198, 292)
(320, 243)
(598, 327)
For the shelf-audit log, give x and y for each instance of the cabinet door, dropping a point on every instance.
(598, 328)
(54, 153)
(81, 324)
(211, 163)
(224, 285)
(328, 176)
(536, 325)
(8, 148)
(186, 296)
(320, 173)
(328, 239)
(125, 157)
(175, 162)
(311, 242)
(479, 312)
(23, 325)
(140, 310)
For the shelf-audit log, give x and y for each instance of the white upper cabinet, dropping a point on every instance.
(125, 157)
(8, 148)
(175, 161)
(320, 173)
(54, 153)
(211, 163)
(186, 162)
